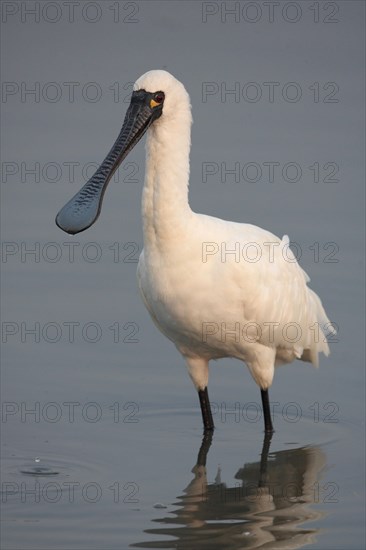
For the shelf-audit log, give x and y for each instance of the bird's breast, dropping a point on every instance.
(184, 297)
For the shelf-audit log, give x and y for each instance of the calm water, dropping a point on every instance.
(101, 431)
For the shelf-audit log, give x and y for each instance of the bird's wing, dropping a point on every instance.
(291, 312)
(275, 296)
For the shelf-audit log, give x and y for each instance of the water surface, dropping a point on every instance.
(101, 429)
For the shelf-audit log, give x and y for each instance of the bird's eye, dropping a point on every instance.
(159, 97)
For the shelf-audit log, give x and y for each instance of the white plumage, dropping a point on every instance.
(197, 273)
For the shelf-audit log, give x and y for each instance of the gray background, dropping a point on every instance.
(147, 378)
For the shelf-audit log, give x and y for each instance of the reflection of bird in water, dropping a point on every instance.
(264, 509)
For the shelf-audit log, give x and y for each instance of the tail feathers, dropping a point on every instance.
(320, 330)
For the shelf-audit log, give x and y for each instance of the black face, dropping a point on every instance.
(153, 100)
(84, 208)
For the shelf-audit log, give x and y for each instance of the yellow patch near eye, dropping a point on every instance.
(153, 103)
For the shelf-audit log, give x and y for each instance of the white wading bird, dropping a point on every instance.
(210, 303)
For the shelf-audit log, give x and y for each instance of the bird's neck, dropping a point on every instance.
(165, 207)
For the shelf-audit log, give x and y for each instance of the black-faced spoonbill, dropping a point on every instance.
(215, 288)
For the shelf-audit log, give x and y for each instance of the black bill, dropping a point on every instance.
(84, 208)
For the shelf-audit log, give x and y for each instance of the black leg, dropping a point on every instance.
(268, 428)
(262, 482)
(205, 447)
(206, 410)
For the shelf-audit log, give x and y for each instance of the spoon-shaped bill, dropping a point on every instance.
(84, 208)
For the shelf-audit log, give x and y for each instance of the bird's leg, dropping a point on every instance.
(262, 482)
(205, 447)
(268, 427)
(206, 410)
